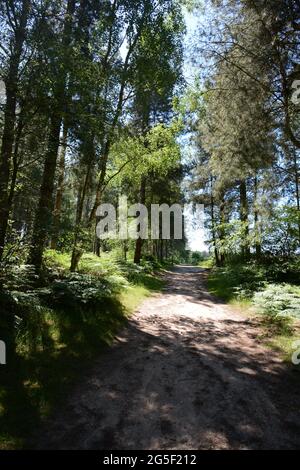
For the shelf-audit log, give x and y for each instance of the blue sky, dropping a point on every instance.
(195, 234)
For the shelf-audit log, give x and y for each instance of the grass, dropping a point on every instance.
(41, 376)
(207, 263)
(237, 285)
(223, 284)
(134, 295)
(89, 263)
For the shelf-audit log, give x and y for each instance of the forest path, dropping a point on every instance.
(187, 372)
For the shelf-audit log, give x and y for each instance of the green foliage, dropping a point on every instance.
(59, 328)
(57, 260)
(14, 277)
(278, 300)
(114, 108)
(207, 263)
(196, 257)
(237, 280)
(78, 290)
(259, 285)
(281, 234)
(157, 151)
(246, 169)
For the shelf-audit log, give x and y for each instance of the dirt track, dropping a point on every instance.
(187, 373)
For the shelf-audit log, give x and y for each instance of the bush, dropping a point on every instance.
(21, 277)
(278, 300)
(237, 281)
(76, 290)
(283, 270)
(26, 313)
(260, 284)
(196, 257)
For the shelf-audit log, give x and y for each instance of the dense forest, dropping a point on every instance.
(161, 101)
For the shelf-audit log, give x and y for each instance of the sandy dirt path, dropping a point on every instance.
(186, 373)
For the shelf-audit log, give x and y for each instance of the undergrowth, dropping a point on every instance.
(269, 289)
(53, 328)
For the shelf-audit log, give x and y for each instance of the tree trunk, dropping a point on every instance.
(60, 189)
(166, 249)
(297, 186)
(213, 224)
(125, 249)
(138, 251)
(244, 219)
(222, 230)
(100, 184)
(77, 252)
(11, 85)
(256, 223)
(43, 218)
(139, 241)
(76, 256)
(16, 163)
(161, 250)
(97, 245)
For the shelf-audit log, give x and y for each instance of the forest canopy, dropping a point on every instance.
(164, 102)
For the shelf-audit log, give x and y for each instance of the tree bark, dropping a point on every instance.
(213, 226)
(161, 250)
(16, 159)
(139, 241)
(222, 230)
(60, 189)
(297, 186)
(97, 246)
(43, 218)
(244, 218)
(11, 85)
(77, 252)
(256, 223)
(100, 184)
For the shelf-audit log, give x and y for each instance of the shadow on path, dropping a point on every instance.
(186, 373)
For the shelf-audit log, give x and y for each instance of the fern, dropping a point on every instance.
(279, 300)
